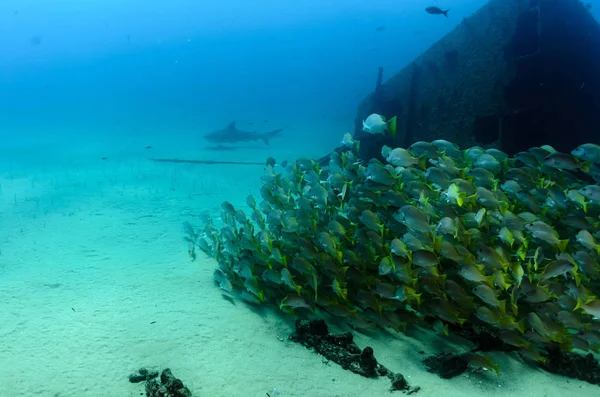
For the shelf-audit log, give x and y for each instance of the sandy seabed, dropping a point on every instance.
(95, 282)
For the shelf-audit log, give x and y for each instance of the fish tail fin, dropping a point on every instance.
(357, 147)
(578, 305)
(562, 245)
(502, 306)
(265, 137)
(391, 126)
(460, 199)
(445, 13)
(585, 166)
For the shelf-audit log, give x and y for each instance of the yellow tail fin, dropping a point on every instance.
(391, 126)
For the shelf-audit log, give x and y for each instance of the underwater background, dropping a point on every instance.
(139, 70)
(95, 279)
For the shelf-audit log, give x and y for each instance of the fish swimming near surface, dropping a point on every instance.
(436, 11)
(231, 134)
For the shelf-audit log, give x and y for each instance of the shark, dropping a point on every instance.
(231, 134)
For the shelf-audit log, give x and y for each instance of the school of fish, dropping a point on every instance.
(435, 235)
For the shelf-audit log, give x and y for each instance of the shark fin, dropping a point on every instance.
(265, 137)
(231, 127)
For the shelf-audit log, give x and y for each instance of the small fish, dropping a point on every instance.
(587, 152)
(500, 280)
(337, 228)
(349, 142)
(424, 258)
(398, 248)
(570, 319)
(588, 241)
(506, 236)
(413, 218)
(510, 187)
(537, 324)
(482, 177)
(479, 361)
(433, 10)
(288, 280)
(527, 158)
(498, 154)
(495, 258)
(437, 178)
(563, 161)
(222, 281)
(449, 149)
(377, 125)
(488, 295)
(440, 328)
(474, 273)
(424, 148)
(556, 268)
(588, 265)
(448, 226)
(591, 192)
(544, 232)
(400, 157)
(371, 221)
(377, 173)
(455, 195)
(294, 301)
(191, 251)
(270, 162)
(271, 276)
(488, 199)
(448, 165)
(488, 162)
(386, 265)
(338, 288)
(251, 201)
(578, 199)
(473, 153)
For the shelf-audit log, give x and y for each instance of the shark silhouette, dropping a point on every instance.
(231, 134)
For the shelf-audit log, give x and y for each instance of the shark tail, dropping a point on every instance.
(266, 136)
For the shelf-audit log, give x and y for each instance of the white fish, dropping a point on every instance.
(349, 142)
(376, 124)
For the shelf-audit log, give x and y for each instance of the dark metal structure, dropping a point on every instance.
(516, 74)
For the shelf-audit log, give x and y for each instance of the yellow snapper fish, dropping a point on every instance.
(399, 157)
(376, 124)
(587, 152)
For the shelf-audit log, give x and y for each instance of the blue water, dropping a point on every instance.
(141, 69)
